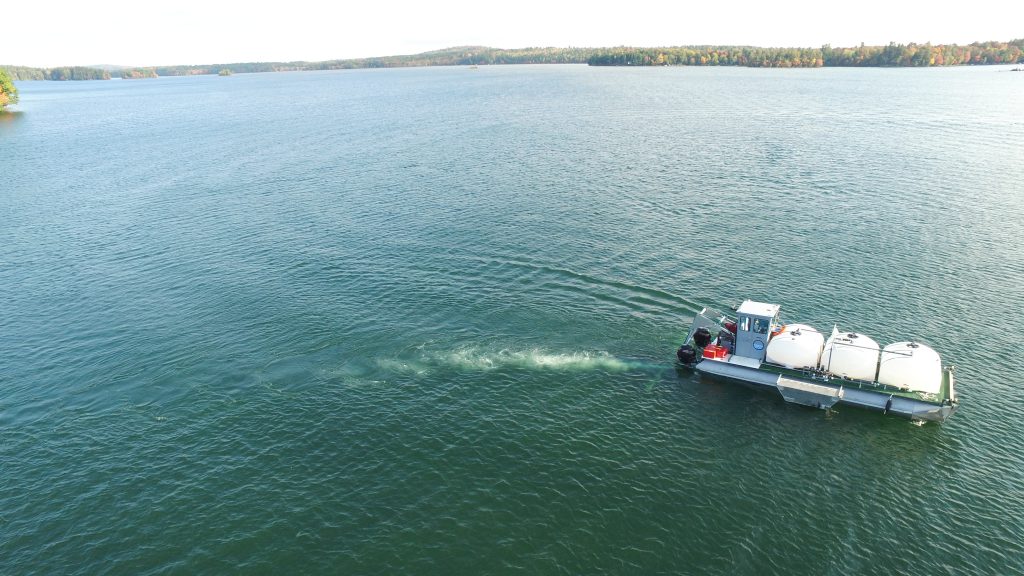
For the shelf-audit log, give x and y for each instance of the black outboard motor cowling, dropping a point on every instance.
(702, 337)
(686, 354)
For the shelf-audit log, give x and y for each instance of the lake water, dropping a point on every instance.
(423, 321)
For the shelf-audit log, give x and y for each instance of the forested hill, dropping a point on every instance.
(892, 55)
(463, 55)
(460, 56)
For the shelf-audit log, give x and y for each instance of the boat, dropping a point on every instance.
(807, 367)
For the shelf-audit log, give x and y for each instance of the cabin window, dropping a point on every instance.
(744, 323)
(761, 325)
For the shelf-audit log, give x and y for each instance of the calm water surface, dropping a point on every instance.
(423, 321)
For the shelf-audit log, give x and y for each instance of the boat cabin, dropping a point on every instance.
(754, 323)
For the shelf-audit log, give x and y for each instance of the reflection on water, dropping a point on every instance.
(10, 116)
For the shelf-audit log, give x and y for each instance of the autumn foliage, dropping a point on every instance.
(891, 55)
(8, 92)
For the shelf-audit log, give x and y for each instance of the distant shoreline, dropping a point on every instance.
(892, 55)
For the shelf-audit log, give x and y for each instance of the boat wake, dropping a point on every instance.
(475, 358)
(483, 359)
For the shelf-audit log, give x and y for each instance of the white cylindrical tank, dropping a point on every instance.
(797, 346)
(850, 355)
(912, 366)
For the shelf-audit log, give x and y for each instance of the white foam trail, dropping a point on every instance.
(477, 359)
(395, 365)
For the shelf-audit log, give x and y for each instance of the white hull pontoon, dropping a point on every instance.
(904, 378)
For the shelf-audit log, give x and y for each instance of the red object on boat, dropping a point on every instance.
(716, 352)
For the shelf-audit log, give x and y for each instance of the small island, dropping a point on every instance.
(224, 72)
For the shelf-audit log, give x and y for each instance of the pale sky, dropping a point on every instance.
(162, 32)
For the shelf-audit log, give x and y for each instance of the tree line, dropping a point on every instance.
(892, 55)
(460, 56)
(61, 73)
(136, 73)
(467, 56)
(903, 55)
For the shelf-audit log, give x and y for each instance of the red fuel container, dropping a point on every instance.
(715, 351)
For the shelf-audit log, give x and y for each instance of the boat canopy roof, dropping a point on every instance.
(758, 309)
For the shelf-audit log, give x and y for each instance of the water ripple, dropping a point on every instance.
(422, 321)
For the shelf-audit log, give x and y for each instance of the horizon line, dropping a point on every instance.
(123, 66)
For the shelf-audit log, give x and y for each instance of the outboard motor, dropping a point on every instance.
(686, 354)
(702, 337)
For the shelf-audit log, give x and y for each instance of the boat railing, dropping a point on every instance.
(706, 318)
